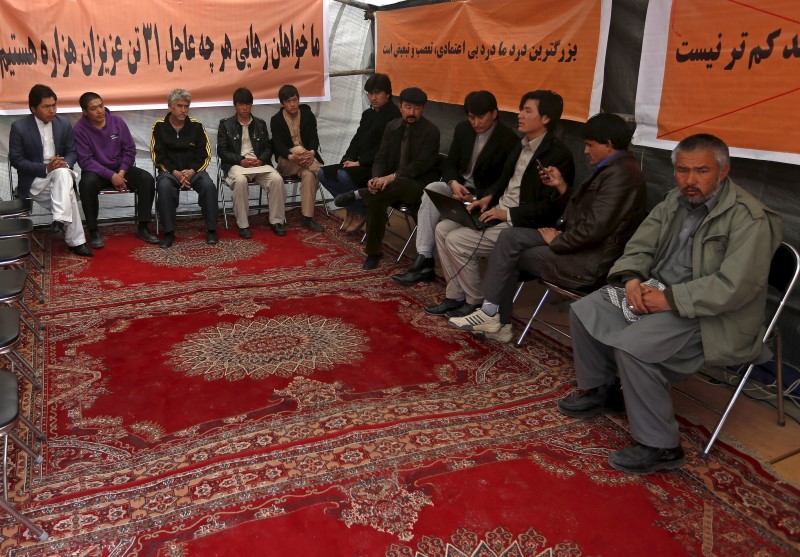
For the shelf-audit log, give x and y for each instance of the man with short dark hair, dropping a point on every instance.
(601, 215)
(296, 143)
(42, 149)
(517, 198)
(181, 152)
(481, 144)
(406, 161)
(689, 290)
(245, 154)
(107, 157)
(355, 169)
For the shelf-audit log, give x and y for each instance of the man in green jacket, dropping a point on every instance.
(689, 290)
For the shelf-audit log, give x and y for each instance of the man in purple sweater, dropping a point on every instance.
(106, 155)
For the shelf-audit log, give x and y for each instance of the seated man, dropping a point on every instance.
(481, 144)
(42, 149)
(709, 245)
(181, 152)
(601, 215)
(405, 163)
(245, 153)
(107, 157)
(296, 143)
(355, 170)
(517, 198)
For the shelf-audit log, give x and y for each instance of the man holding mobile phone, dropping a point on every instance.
(42, 149)
(601, 215)
(517, 198)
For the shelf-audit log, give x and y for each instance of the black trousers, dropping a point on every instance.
(402, 189)
(139, 181)
(169, 198)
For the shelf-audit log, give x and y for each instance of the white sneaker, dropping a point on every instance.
(477, 321)
(505, 334)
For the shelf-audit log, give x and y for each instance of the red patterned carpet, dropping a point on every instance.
(268, 397)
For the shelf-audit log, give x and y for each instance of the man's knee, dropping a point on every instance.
(238, 184)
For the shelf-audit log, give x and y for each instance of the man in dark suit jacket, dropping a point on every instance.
(296, 143)
(479, 150)
(42, 149)
(517, 198)
(406, 161)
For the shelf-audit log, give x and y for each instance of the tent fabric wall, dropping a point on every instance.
(351, 48)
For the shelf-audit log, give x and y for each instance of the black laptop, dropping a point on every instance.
(456, 210)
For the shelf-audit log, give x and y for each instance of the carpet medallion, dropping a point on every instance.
(269, 397)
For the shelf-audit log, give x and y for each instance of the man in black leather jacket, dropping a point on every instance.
(245, 155)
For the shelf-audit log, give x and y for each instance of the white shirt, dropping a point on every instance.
(48, 143)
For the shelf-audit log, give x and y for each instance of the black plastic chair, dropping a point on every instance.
(9, 417)
(14, 253)
(783, 272)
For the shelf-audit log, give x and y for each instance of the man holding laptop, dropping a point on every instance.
(481, 144)
(517, 198)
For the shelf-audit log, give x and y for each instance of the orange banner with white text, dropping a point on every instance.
(504, 46)
(726, 67)
(134, 53)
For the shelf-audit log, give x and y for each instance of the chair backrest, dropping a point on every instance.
(783, 272)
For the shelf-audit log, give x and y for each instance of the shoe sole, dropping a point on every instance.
(661, 466)
(482, 328)
(430, 278)
(495, 336)
(595, 411)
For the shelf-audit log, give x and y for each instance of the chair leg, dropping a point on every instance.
(37, 458)
(39, 325)
(727, 411)
(38, 533)
(779, 376)
(25, 370)
(33, 429)
(402, 251)
(533, 317)
(517, 293)
(35, 288)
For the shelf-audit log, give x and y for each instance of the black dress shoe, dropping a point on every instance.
(245, 233)
(421, 269)
(344, 199)
(311, 224)
(146, 236)
(641, 459)
(371, 262)
(56, 227)
(448, 305)
(211, 238)
(82, 250)
(279, 229)
(167, 240)
(463, 311)
(96, 240)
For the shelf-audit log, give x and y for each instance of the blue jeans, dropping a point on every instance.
(342, 184)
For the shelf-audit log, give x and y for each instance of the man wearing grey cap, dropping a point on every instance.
(406, 162)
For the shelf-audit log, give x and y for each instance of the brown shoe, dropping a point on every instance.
(348, 218)
(357, 222)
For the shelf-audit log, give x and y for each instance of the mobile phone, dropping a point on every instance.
(542, 170)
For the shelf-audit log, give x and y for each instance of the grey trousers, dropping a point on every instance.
(460, 250)
(516, 249)
(628, 349)
(427, 219)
